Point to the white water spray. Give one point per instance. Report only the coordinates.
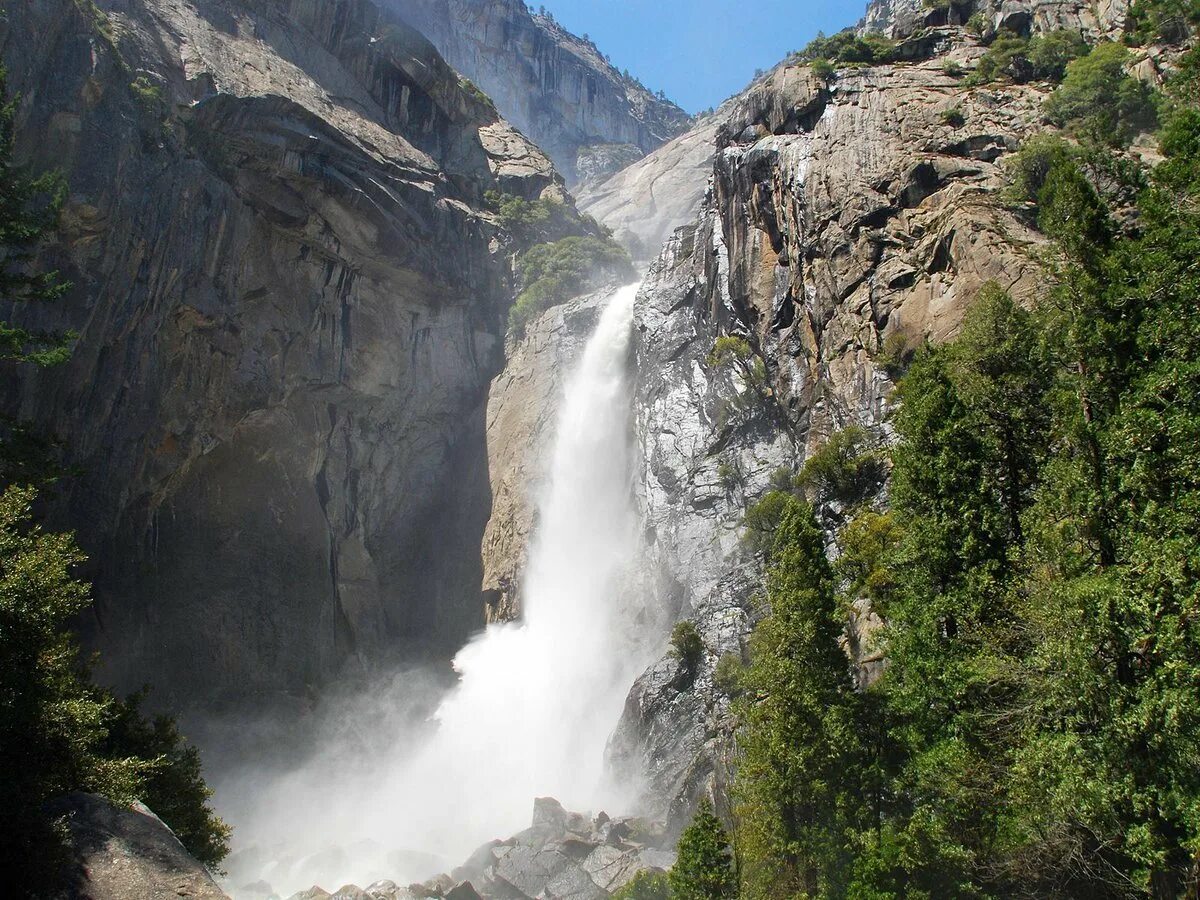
(535, 701)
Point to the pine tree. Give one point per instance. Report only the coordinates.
(797, 786)
(704, 867)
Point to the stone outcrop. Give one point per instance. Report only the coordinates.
(901, 18)
(291, 299)
(557, 88)
(128, 854)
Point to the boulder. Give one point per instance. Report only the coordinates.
(129, 854)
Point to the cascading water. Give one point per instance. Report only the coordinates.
(535, 700)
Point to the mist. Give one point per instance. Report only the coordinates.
(390, 790)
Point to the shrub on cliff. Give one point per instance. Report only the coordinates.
(555, 272)
(1099, 100)
(648, 884)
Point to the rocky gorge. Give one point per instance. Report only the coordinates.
(311, 450)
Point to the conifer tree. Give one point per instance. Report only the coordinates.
(704, 867)
(798, 771)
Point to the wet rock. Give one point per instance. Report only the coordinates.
(565, 854)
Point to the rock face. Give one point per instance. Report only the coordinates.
(129, 854)
(647, 200)
(841, 214)
(291, 301)
(557, 88)
(901, 18)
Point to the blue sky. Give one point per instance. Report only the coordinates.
(700, 51)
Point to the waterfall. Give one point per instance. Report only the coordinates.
(536, 700)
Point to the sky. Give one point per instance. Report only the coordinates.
(700, 51)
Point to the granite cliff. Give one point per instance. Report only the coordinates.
(291, 298)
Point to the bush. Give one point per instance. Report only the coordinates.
(1005, 58)
(953, 117)
(1151, 21)
(1099, 100)
(553, 273)
(1050, 53)
(846, 468)
(848, 47)
(535, 221)
(172, 784)
(822, 68)
(952, 69)
(686, 645)
(728, 675)
(868, 544)
(895, 355)
(762, 518)
(648, 884)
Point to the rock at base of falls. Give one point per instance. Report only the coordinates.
(128, 854)
(562, 854)
(567, 854)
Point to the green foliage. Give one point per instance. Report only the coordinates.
(1044, 56)
(472, 90)
(953, 116)
(731, 352)
(148, 94)
(58, 731)
(800, 720)
(29, 207)
(532, 221)
(1166, 21)
(822, 68)
(977, 24)
(850, 48)
(895, 355)
(952, 69)
(648, 884)
(1005, 58)
(687, 646)
(1099, 100)
(762, 518)
(847, 468)
(728, 675)
(869, 543)
(703, 869)
(171, 784)
(1050, 53)
(553, 273)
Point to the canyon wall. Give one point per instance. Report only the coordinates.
(559, 89)
(291, 299)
